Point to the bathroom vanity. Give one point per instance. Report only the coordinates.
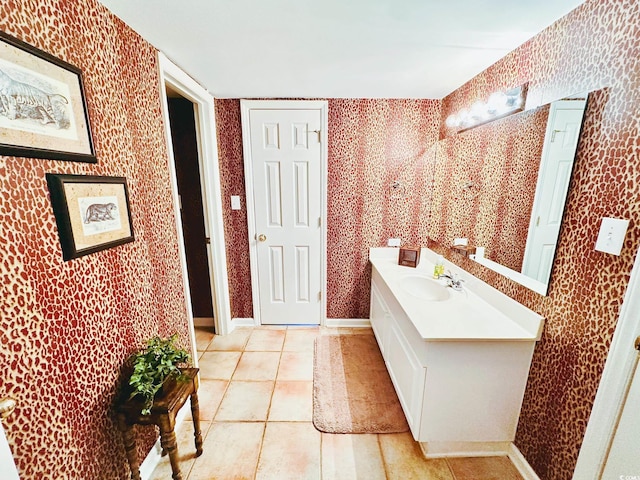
(459, 360)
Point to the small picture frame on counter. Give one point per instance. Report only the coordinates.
(409, 256)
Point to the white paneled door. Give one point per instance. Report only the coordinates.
(286, 165)
(8, 470)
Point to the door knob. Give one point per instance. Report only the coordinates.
(7, 406)
(262, 237)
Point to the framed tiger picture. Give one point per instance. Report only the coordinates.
(92, 212)
(43, 112)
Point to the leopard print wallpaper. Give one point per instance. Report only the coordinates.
(484, 185)
(67, 327)
(372, 145)
(594, 48)
(229, 130)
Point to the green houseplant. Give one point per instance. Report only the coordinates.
(159, 360)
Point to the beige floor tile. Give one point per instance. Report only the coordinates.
(332, 331)
(230, 451)
(246, 401)
(349, 457)
(210, 395)
(266, 340)
(218, 365)
(186, 451)
(257, 366)
(234, 341)
(296, 366)
(300, 339)
(291, 450)
(204, 335)
(483, 468)
(292, 402)
(404, 460)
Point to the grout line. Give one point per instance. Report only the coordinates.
(264, 433)
(453, 475)
(384, 462)
(273, 390)
(321, 444)
(215, 414)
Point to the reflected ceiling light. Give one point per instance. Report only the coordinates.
(499, 105)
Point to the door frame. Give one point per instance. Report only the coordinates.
(172, 75)
(245, 107)
(614, 384)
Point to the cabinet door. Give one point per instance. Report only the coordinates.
(408, 377)
(379, 318)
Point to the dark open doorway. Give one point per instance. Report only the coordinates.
(185, 150)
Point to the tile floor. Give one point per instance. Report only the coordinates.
(256, 420)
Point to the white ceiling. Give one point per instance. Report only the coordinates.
(337, 48)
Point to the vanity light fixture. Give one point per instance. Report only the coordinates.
(499, 105)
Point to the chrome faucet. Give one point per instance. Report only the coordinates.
(453, 281)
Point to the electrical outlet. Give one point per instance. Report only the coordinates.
(393, 242)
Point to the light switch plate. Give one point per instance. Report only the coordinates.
(393, 242)
(611, 236)
(235, 202)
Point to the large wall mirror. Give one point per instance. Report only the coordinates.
(503, 186)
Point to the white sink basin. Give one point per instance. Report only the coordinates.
(424, 288)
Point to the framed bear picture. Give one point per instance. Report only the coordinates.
(43, 112)
(92, 213)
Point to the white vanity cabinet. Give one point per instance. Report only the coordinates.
(461, 396)
(405, 369)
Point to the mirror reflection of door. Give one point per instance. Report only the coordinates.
(561, 141)
(185, 150)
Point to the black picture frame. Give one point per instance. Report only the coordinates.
(92, 212)
(43, 110)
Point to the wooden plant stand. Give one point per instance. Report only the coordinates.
(163, 414)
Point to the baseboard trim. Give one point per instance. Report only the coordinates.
(480, 449)
(203, 322)
(464, 449)
(151, 462)
(155, 455)
(347, 323)
(329, 322)
(242, 322)
(521, 463)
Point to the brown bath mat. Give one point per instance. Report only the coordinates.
(352, 391)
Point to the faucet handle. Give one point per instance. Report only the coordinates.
(449, 275)
(452, 280)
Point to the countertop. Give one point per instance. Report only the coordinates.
(477, 313)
